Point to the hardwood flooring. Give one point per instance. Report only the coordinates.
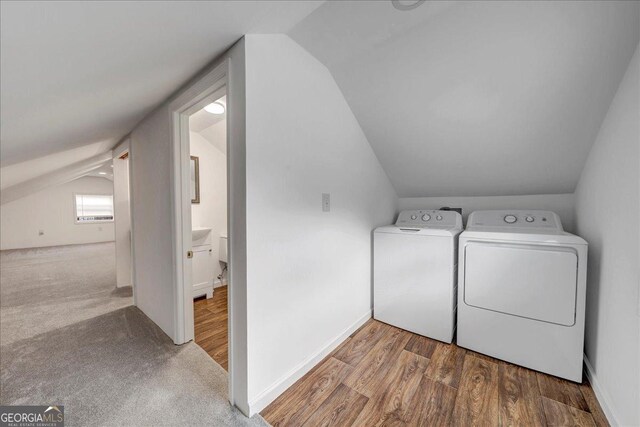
(382, 375)
(211, 326)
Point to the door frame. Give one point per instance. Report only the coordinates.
(124, 150)
(188, 102)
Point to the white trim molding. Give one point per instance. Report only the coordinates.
(271, 393)
(603, 397)
(191, 100)
(215, 82)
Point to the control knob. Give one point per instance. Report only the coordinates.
(510, 219)
(426, 217)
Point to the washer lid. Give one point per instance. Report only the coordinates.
(419, 231)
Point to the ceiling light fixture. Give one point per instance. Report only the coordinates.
(215, 108)
(102, 173)
(406, 5)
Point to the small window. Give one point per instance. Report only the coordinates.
(93, 208)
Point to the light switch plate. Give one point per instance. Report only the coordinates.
(326, 202)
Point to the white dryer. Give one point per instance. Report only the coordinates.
(522, 291)
(414, 272)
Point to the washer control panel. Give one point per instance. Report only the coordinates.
(533, 219)
(429, 218)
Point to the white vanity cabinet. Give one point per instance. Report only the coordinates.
(202, 271)
(202, 263)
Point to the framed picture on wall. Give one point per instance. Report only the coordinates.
(195, 180)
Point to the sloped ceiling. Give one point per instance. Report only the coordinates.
(80, 73)
(456, 98)
(30, 169)
(477, 98)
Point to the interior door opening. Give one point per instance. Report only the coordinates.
(209, 247)
(203, 217)
(119, 169)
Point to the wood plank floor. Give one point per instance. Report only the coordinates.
(211, 325)
(382, 375)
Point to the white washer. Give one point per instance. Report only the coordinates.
(522, 291)
(414, 272)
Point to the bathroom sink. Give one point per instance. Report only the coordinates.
(199, 232)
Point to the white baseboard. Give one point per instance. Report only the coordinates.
(218, 284)
(270, 394)
(603, 397)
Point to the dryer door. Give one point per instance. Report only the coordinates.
(536, 282)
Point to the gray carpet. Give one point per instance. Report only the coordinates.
(43, 289)
(68, 337)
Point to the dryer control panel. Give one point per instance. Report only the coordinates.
(516, 219)
(429, 219)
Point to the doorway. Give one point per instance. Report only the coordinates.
(209, 247)
(122, 210)
(204, 90)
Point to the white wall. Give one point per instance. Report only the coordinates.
(562, 204)
(308, 271)
(52, 211)
(121, 206)
(217, 135)
(151, 216)
(607, 215)
(211, 212)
